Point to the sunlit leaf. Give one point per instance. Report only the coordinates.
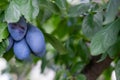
(3, 31)
(3, 46)
(55, 43)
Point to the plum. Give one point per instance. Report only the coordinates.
(35, 40)
(10, 43)
(18, 30)
(21, 50)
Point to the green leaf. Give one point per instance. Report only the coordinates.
(50, 6)
(3, 46)
(3, 4)
(108, 72)
(8, 55)
(61, 27)
(61, 74)
(78, 10)
(105, 38)
(3, 31)
(112, 11)
(83, 51)
(103, 57)
(44, 63)
(92, 24)
(114, 50)
(81, 77)
(117, 70)
(61, 4)
(21, 2)
(28, 8)
(88, 26)
(43, 2)
(51, 24)
(12, 13)
(77, 67)
(1, 16)
(55, 43)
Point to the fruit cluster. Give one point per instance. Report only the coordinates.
(25, 39)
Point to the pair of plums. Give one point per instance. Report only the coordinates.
(25, 38)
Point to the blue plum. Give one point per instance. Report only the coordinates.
(35, 40)
(10, 43)
(18, 30)
(21, 50)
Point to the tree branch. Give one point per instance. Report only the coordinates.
(94, 69)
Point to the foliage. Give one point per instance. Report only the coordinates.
(76, 33)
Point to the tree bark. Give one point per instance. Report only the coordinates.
(94, 69)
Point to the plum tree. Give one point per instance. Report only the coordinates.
(10, 40)
(18, 30)
(35, 40)
(21, 50)
(83, 38)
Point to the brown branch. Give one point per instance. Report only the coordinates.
(94, 69)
